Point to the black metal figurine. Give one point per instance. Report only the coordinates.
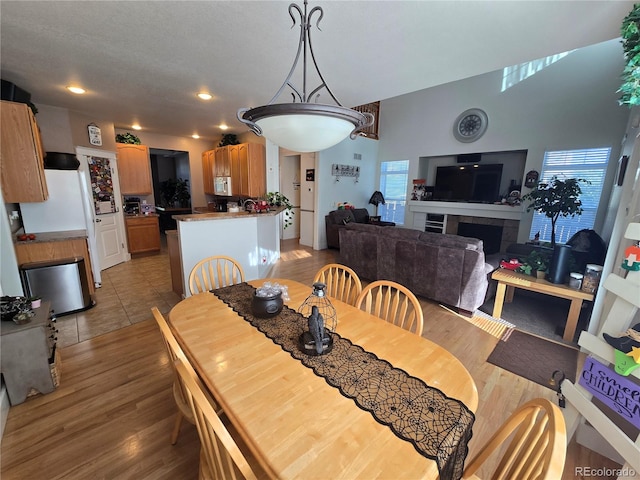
(316, 328)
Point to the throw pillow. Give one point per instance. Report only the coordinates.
(346, 220)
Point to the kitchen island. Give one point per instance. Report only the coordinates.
(253, 239)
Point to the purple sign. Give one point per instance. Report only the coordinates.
(616, 391)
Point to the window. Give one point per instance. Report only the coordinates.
(590, 164)
(394, 176)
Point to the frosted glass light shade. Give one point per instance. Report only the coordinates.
(304, 127)
(305, 133)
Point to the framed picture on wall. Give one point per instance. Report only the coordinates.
(311, 174)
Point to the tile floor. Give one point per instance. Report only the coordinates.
(128, 292)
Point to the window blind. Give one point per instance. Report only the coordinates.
(589, 164)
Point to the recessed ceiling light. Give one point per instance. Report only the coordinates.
(136, 127)
(205, 96)
(223, 126)
(76, 90)
(195, 135)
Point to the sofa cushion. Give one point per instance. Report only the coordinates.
(339, 216)
(361, 215)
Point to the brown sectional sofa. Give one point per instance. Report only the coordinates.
(448, 269)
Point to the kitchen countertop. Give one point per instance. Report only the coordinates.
(43, 237)
(197, 217)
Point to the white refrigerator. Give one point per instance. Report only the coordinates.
(70, 207)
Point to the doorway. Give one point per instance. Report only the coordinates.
(290, 188)
(168, 165)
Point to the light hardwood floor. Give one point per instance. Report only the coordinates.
(112, 415)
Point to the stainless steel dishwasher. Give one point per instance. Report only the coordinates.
(61, 282)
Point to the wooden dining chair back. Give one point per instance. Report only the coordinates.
(214, 272)
(394, 303)
(537, 444)
(175, 352)
(220, 457)
(342, 282)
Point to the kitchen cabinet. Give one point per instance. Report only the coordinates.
(236, 169)
(134, 169)
(244, 163)
(253, 169)
(222, 163)
(208, 173)
(22, 155)
(29, 359)
(143, 233)
(43, 251)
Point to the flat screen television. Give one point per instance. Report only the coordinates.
(468, 183)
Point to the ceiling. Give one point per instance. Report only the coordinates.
(144, 61)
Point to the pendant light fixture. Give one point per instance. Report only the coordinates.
(302, 126)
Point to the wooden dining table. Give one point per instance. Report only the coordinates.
(295, 423)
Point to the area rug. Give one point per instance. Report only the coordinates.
(493, 326)
(534, 358)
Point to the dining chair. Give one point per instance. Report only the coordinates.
(214, 272)
(394, 303)
(537, 449)
(342, 282)
(175, 353)
(220, 456)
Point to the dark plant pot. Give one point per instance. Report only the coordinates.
(267, 307)
(560, 263)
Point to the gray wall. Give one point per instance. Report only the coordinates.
(570, 104)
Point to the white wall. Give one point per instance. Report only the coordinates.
(570, 104)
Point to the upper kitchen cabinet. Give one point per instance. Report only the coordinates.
(134, 169)
(208, 173)
(222, 162)
(251, 161)
(22, 155)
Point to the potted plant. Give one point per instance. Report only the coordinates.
(127, 138)
(228, 139)
(35, 301)
(175, 192)
(277, 199)
(182, 195)
(556, 198)
(538, 260)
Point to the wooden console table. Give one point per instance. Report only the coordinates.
(508, 281)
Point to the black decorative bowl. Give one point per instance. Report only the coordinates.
(266, 307)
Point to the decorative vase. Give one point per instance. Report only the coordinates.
(540, 274)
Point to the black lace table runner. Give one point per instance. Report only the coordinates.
(439, 427)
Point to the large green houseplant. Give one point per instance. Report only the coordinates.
(556, 198)
(630, 33)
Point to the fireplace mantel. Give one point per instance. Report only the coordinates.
(506, 212)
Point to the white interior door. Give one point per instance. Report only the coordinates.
(108, 227)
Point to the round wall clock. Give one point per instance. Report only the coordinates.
(95, 135)
(470, 125)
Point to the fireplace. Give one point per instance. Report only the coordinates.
(491, 235)
(496, 233)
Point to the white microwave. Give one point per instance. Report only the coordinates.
(222, 186)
